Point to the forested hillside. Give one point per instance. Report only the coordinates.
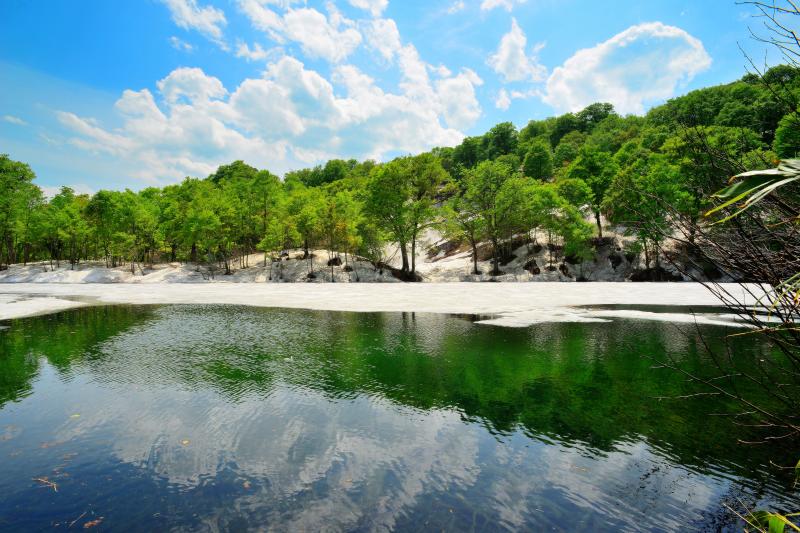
(555, 180)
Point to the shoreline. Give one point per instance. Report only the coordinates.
(507, 304)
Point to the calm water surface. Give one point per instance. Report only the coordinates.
(233, 418)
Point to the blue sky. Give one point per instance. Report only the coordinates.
(97, 94)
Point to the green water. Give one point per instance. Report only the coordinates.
(233, 418)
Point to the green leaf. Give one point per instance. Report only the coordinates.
(756, 185)
(777, 524)
(770, 522)
(746, 185)
(797, 472)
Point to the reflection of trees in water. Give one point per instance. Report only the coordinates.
(566, 381)
(64, 338)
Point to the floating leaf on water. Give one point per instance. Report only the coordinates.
(185, 442)
(9, 432)
(246, 484)
(75, 416)
(93, 523)
(47, 483)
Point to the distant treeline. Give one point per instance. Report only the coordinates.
(543, 181)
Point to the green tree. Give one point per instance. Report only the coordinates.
(596, 169)
(339, 224)
(500, 140)
(641, 198)
(563, 125)
(485, 191)
(16, 191)
(568, 149)
(461, 221)
(787, 136)
(69, 227)
(279, 235)
(305, 206)
(592, 115)
(575, 191)
(400, 196)
(538, 163)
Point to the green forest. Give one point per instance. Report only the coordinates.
(560, 177)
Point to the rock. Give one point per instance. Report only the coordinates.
(655, 274)
(615, 260)
(336, 261)
(711, 271)
(600, 242)
(532, 267)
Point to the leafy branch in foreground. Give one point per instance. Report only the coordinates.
(754, 186)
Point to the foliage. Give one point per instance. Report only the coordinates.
(538, 162)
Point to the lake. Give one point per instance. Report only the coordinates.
(209, 417)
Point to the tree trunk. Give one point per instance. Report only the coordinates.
(413, 255)
(495, 259)
(599, 225)
(474, 256)
(225, 261)
(404, 255)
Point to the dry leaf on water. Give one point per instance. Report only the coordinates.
(93, 523)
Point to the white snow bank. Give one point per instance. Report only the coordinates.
(508, 304)
(15, 306)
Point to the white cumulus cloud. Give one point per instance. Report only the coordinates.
(456, 6)
(290, 117)
(11, 119)
(191, 85)
(642, 65)
(503, 100)
(331, 37)
(375, 7)
(383, 36)
(508, 5)
(180, 44)
(256, 53)
(512, 61)
(457, 94)
(207, 20)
